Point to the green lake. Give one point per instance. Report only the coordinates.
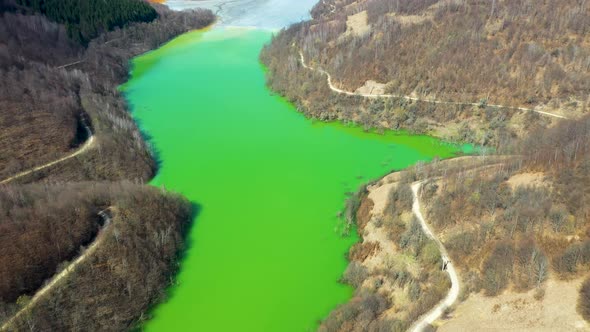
(265, 251)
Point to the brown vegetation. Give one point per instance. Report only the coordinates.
(111, 289)
(584, 300)
(395, 269)
(501, 235)
(504, 236)
(40, 227)
(508, 52)
(363, 212)
(44, 103)
(362, 250)
(52, 88)
(514, 54)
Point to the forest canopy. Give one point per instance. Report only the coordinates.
(86, 19)
(51, 85)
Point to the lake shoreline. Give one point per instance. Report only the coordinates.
(236, 123)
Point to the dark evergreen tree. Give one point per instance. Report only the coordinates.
(86, 19)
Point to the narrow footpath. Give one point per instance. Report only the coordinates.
(436, 312)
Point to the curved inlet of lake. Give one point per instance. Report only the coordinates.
(265, 251)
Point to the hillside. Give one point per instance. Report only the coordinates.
(47, 104)
(111, 289)
(87, 19)
(510, 74)
(522, 226)
(509, 53)
(62, 63)
(515, 228)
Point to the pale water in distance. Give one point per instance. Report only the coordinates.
(266, 14)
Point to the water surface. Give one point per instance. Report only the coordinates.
(265, 250)
(267, 14)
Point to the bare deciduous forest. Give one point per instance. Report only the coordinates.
(45, 103)
(56, 80)
(512, 226)
(113, 288)
(43, 226)
(510, 221)
(394, 292)
(511, 52)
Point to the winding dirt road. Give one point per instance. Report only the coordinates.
(436, 312)
(87, 145)
(58, 277)
(72, 63)
(434, 101)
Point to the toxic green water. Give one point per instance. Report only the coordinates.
(265, 251)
